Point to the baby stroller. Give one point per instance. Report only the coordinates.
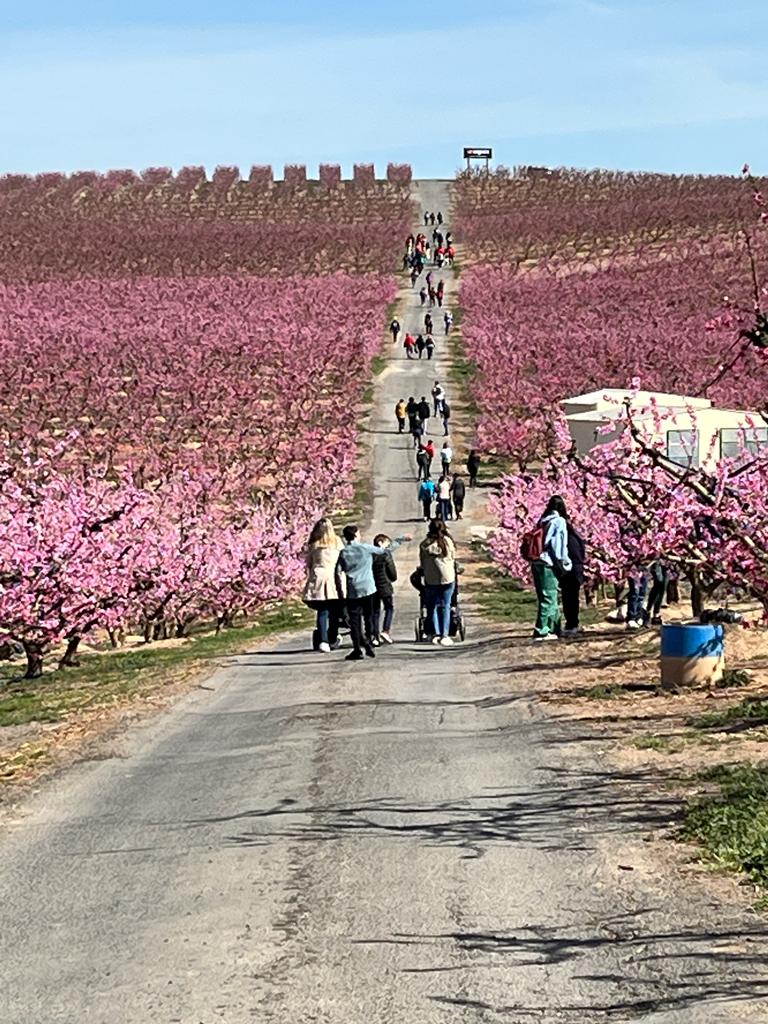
(423, 624)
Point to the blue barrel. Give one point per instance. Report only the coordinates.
(692, 655)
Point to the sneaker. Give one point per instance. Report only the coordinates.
(336, 644)
(325, 648)
(547, 636)
(435, 639)
(370, 651)
(571, 632)
(375, 642)
(657, 621)
(447, 641)
(387, 638)
(634, 624)
(355, 656)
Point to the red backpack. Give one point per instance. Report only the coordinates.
(532, 544)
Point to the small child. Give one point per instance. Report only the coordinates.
(384, 574)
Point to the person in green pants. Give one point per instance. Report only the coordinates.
(551, 563)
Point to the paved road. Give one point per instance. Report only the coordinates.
(404, 841)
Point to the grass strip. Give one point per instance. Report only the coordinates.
(732, 823)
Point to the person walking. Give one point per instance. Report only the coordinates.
(426, 218)
(420, 344)
(409, 344)
(417, 432)
(384, 575)
(422, 463)
(401, 412)
(356, 561)
(658, 574)
(440, 291)
(473, 467)
(414, 275)
(324, 589)
(426, 497)
(394, 328)
(423, 294)
(550, 563)
(446, 457)
(428, 325)
(439, 217)
(458, 493)
(572, 581)
(430, 345)
(412, 409)
(438, 396)
(448, 321)
(429, 448)
(437, 558)
(444, 498)
(424, 410)
(446, 416)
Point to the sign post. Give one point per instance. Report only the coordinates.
(478, 153)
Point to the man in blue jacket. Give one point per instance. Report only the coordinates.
(356, 561)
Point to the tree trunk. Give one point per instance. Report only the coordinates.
(697, 594)
(70, 659)
(34, 653)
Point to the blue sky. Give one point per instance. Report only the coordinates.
(680, 85)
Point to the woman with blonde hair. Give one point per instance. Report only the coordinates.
(324, 590)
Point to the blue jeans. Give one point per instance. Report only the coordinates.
(328, 615)
(439, 606)
(636, 596)
(444, 508)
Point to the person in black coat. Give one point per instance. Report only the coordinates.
(473, 467)
(424, 409)
(384, 575)
(571, 582)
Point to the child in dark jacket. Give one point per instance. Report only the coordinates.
(384, 575)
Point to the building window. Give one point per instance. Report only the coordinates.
(683, 447)
(736, 440)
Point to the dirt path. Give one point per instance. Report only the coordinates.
(401, 841)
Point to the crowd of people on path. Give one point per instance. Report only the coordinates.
(350, 582)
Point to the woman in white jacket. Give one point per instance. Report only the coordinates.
(549, 567)
(324, 590)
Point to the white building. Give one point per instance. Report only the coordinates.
(695, 431)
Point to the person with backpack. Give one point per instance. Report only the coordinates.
(572, 581)
(384, 575)
(423, 295)
(420, 344)
(424, 409)
(426, 497)
(546, 548)
(412, 409)
(394, 328)
(458, 493)
(437, 559)
(417, 432)
(401, 411)
(446, 458)
(428, 325)
(438, 395)
(430, 345)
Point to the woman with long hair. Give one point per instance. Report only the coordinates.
(437, 557)
(324, 590)
(549, 567)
